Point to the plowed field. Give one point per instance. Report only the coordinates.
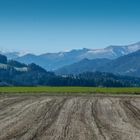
(43, 117)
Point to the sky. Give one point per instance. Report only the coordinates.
(41, 26)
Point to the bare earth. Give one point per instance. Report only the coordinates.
(69, 118)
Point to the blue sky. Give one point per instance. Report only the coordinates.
(40, 26)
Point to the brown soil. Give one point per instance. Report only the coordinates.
(69, 118)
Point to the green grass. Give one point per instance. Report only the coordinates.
(69, 90)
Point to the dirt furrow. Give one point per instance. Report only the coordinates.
(69, 118)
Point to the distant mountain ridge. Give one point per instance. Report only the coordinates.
(12, 54)
(82, 66)
(53, 61)
(124, 65)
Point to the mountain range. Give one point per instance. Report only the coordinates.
(13, 73)
(53, 61)
(124, 65)
(123, 60)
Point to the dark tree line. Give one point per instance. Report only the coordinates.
(39, 77)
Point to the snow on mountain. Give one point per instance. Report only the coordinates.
(52, 61)
(112, 52)
(12, 54)
(134, 47)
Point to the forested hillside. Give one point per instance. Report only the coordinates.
(13, 73)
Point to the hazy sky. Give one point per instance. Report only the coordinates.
(57, 25)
